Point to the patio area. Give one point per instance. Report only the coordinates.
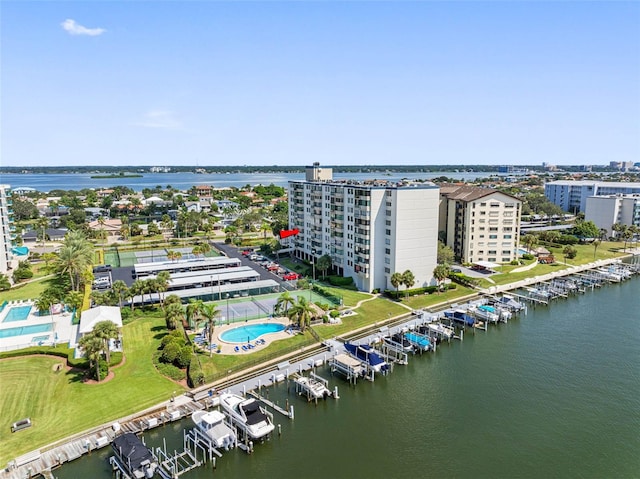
(259, 334)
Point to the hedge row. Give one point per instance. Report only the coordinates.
(416, 291)
(66, 353)
(195, 375)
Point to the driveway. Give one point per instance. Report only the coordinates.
(233, 252)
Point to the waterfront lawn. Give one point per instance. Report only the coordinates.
(429, 300)
(60, 404)
(219, 365)
(369, 312)
(350, 298)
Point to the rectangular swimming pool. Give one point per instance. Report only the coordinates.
(24, 330)
(17, 313)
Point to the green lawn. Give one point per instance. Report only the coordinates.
(428, 300)
(369, 312)
(26, 291)
(220, 364)
(59, 404)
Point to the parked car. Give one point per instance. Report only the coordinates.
(246, 252)
(290, 276)
(272, 267)
(253, 257)
(104, 268)
(456, 270)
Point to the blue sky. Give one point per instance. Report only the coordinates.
(270, 83)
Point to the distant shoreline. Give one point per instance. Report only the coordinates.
(106, 177)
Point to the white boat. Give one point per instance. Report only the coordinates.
(314, 388)
(133, 458)
(212, 425)
(247, 414)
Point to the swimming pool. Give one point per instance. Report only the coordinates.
(24, 330)
(250, 332)
(17, 313)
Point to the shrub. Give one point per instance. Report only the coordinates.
(334, 313)
(527, 256)
(115, 359)
(171, 371)
(195, 376)
(340, 281)
(103, 369)
(514, 262)
(170, 352)
(184, 357)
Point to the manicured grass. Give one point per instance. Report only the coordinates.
(220, 364)
(428, 300)
(349, 297)
(59, 404)
(26, 291)
(369, 312)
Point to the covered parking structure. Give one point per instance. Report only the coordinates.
(143, 270)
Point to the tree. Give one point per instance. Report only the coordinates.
(4, 282)
(92, 350)
(136, 289)
(301, 313)
(174, 255)
(408, 279)
(569, 252)
(323, 264)
(595, 244)
(440, 273)
(445, 254)
(161, 284)
(43, 223)
(74, 300)
(106, 330)
(586, 229)
(75, 257)
(396, 281)
(194, 310)
(121, 290)
(173, 314)
(44, 302)
(209, 313)
(530, 241)
(285, 300)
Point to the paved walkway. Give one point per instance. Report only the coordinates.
(525, 268)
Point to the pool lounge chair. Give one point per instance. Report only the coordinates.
(237, 349)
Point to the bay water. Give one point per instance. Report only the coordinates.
(553, 393)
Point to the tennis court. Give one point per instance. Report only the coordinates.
(119, 258)
(255, 307)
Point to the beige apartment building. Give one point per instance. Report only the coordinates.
(479, 224)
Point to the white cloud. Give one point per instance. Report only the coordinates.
(160, 119)
(73, 28)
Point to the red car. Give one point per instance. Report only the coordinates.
(290, 276)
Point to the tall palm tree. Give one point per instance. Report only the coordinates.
(161, 285)
(137, 289)
(42, 222)
(285, 300)
(194, 309)
(75, 257)
(92, 350)
(595, 244)
(44, 303)
(74, 300)
(530, 241)
(440, 273)
(106, 330)
(396, 281)
(209, 313)
(121, 290)
(301, 313)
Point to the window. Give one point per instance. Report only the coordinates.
(387, 222)
(387, 232)
(387, 251)
(493, 236)
(387, 270)
(507, 236)
(387, 261)
(387, 241)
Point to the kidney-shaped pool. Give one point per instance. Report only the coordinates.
(250, 332)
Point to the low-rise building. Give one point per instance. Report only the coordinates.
(605, 211)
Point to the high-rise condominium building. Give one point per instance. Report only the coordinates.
(480, 224)
(369, 230)
(7, 229)
(571, 195)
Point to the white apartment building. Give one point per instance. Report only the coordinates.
(605, 211)
(370, 230)
(571, 195)
(6, 229)
(480, 224)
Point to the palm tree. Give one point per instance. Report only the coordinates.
(137, 289)
(174, 255)
(173, 314)
(161, 285)
(92, 350)
(408, 279)
(440, 273)
(44, 303)
(205, 248)
(74, 299)
(75, 257)
(106, 330)
(301, 313)
(42, 222)
(121, 290)
(529, 241)
(194, 309)
(285, 300)
(265, 228)
(209, 313)
(396, 281)
(196, 251)
(595, 244)
(101, 222)
(323, 264)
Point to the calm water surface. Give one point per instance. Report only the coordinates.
(555, 393)
(47, 182)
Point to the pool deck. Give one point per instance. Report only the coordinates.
(65, 331)
(229, 348)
